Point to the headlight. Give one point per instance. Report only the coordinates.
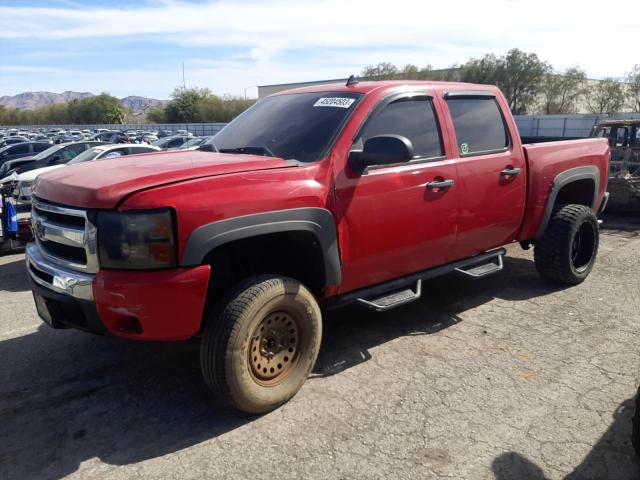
(25, 189)
(137, 240)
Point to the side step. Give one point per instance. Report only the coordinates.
(483, 269)
(393, 300)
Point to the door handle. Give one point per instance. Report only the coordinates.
(440, 184)
(510, 171)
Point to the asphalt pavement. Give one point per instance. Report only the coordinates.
(505, 378)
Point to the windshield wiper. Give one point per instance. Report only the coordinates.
(264, 151)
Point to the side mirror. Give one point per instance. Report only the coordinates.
(207, 147)
(382, 150)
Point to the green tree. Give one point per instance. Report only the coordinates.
(381, 71)
(633, 82)
(518, 74)
(185, 105)
(606, 96)
(562, 91)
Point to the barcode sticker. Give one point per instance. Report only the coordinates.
(339, 102)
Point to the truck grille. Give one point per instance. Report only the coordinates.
(65, 236)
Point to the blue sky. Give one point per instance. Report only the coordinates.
(137, 48)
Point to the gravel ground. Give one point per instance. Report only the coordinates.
(503, 378)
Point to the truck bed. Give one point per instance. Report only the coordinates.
(545, 160)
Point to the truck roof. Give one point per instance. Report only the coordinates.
(369, 86)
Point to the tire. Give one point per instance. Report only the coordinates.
(568, 247)
(260, 344)
(635, 432)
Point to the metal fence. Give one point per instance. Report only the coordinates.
(563, 125)
(528, 125)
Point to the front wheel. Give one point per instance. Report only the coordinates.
(259, 347)
(566, 251)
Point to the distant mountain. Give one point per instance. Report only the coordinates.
(35, 100)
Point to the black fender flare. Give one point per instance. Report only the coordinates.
(588, 172)
(318, 221)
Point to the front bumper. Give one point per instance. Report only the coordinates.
(143, 305)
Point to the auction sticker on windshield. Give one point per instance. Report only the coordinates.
(339, 102)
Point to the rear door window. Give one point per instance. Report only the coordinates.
(479, 125)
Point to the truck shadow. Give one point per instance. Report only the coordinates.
(611, 457)
(13, 276)
(67, 397)
(349, 333)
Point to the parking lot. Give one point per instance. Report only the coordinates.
(505, 378)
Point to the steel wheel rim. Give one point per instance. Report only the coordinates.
(583, 247)
(274, 348)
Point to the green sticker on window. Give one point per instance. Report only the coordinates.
(464, 148)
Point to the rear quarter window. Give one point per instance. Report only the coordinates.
(479, 125)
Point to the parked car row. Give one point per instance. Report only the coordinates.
(59, 135)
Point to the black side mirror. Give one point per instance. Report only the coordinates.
(207, 147)
(382, 150)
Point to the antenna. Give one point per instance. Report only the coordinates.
(184, 84)
(352, 80)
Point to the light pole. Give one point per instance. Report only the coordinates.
(246, 88)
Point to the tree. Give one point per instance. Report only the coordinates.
(184, 106)
(518, 74)
(562, 91)
(381, 71)
(606, 96)
(633, 81)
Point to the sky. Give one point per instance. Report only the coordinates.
(138, 47)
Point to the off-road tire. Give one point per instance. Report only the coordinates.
(557, 258)
(262, 315)
(635, 431)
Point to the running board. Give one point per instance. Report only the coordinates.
(483, 269)
(401, 287)
(394, 299)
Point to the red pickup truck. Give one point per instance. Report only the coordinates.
(311, 199)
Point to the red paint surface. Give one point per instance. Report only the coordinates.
(168, 304)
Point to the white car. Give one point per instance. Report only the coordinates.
(22, 190)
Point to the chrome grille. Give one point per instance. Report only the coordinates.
(65, 236)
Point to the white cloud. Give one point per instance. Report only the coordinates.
(289, 40)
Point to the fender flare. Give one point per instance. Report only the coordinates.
(318, 221)
(588, 172)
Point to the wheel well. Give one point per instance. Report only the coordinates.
(295, 254)
(579, 192)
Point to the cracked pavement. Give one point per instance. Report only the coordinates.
(505, 378)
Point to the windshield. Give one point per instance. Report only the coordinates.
(298, 126)
(86, 155)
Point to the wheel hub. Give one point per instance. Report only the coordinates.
(274, 347)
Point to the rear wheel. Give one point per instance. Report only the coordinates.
(567, 249)
(260, 345)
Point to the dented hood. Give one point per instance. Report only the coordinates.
(104, 183)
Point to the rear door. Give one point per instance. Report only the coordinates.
(391, 223)
(491, 171)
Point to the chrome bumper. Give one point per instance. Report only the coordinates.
(75, 284)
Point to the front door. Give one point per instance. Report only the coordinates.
(391, 222)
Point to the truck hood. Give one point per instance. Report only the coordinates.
(103, 183)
